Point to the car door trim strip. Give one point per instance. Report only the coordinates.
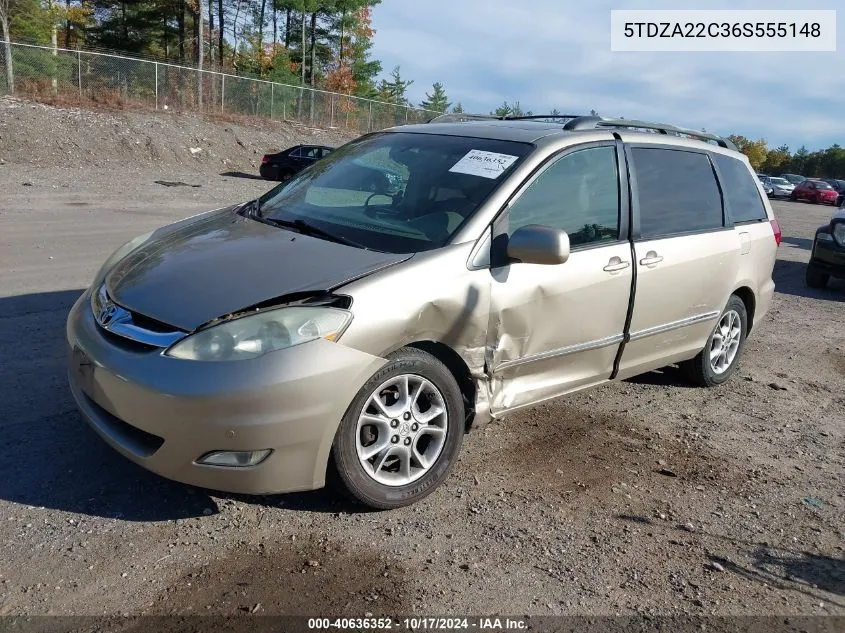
(674, 325)
(562, 351)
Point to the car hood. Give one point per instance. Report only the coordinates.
(194, 271)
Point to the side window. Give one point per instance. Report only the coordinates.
(739, 189)
(310, 152)
(296, 153)
(677, 192)
(578, 193)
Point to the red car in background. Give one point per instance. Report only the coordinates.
(816, 191)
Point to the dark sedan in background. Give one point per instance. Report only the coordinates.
(288, 162)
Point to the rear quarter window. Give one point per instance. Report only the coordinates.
(677, 192)
(739, 189)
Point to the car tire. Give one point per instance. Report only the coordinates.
(394, 476)
(815, 278)
(703, 370)
(793, 197)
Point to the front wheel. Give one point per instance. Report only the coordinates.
(720, 356)
(402, 433)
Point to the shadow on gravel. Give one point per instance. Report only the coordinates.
(49, 457)
(670, 376)
(778, 567)
(241, 174)
(789, 280)
(795, 571)
(325, 500)
(798, 242)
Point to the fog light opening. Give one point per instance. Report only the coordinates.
(234, 459)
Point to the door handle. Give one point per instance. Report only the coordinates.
(651, 259)
(615, 265)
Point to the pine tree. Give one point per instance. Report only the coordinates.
(395, 89)
(459, 108)
(437, 101)
(503, 110)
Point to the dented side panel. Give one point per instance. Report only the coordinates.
(433, 297)
(554, 329)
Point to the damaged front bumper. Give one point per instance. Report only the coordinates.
(165, 413)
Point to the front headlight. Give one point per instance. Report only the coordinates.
(839, 233)
(255, 335)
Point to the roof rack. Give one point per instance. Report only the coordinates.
(663, 128)
(461, 117)
(582, 122)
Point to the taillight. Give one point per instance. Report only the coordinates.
(265, 159)
(776, 229)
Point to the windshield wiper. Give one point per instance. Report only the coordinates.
(309, 229)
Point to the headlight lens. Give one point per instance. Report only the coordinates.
(839, 232)
(258, 334)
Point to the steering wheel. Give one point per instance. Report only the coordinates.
(372, 212)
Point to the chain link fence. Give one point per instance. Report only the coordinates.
(80, 77)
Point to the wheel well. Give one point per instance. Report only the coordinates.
(747, 295)
(458, 368)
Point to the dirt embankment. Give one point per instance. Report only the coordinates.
(54, 138)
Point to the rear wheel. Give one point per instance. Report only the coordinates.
(402, 433)
(718, 360)
(815, 278)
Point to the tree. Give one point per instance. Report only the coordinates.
(756, 151)
(5, 7)
(459, 108)
(503, 110)
(394, 90)
(437, 101)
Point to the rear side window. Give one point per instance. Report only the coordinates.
(740, 190)
(677, 192)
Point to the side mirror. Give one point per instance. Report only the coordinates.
(536, 244)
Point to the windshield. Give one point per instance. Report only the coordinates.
(398, 192)
(779, 181)
(822, 185)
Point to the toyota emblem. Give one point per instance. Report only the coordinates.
(107, 313)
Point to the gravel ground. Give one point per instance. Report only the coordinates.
(644, 496)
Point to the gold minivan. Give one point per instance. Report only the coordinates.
(354, 322)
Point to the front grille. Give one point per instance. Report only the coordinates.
(133, 439)
(118, 321)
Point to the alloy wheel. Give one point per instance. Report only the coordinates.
(401, 430)
(725, 342)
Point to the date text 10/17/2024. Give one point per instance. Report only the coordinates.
(493, 624)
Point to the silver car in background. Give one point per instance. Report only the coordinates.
(779, 187)
(328, 331)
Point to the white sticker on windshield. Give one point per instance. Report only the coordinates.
(484, 164)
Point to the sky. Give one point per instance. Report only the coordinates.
(556, 54)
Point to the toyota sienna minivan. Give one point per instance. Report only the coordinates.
(354, 322)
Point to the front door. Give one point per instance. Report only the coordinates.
(557, 328)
